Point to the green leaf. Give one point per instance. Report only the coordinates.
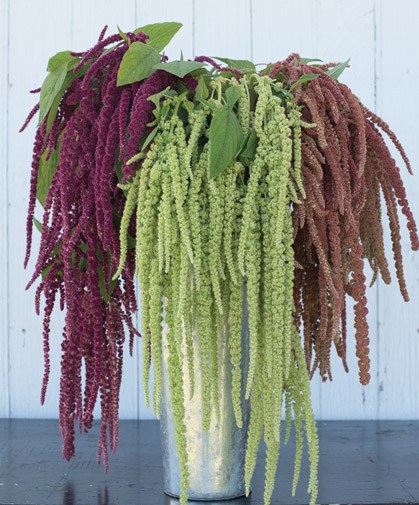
(336, 71)
(305, 61)
(181, 87)
(57, 248)
(201, 91)
(54, 108)
(131, 242)
(46, 271)
(111, 286)
(179, 68)
(211, 105)
(56, 82)
(249, 150)
(53, 89)
(38, 224)
(225, 137)
(60, 59)
(118, 167)
(243, 66)
(83, 265)
(267, 69)
(137, 63)
(304, 78)
(105, 295)
(150, 137)
(46, 171)
(162, 106)
(286, 95)
(55, 252)
(188, 105)
(50, 88)
(245, 161)
(160, 33)
(124, 35)
(233, 93)
(199, 72)
(165, 109)
(157, 96)
(243, 144)
(70, 77)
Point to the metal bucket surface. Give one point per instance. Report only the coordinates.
(216, 457)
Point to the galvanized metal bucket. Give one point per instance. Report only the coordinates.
(217, 456)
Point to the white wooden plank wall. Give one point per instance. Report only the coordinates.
(4, 213)
(398, 322)
(384, 74)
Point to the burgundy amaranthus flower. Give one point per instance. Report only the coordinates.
(80, 234)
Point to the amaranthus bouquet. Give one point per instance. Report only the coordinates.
(199, 178)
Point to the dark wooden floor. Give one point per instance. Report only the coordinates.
(360, 462)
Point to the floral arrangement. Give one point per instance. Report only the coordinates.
(210, 182)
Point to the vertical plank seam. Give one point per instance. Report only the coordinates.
(7, 212)
(377, 289)
(193, 29)
(135, 13)
(72, 23)
(251, 28)
(317, 7)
